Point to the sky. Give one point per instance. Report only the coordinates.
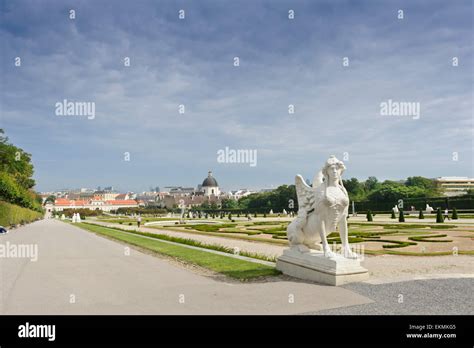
(138, 138)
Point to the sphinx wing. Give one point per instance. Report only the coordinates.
(305, 193)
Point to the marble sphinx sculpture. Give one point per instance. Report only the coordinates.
(323, 208)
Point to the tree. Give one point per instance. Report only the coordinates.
(401, 217)
(16, 162)
(421, 216)
(391, 192)
(371, 183)
(455, 214)
(355, 189)
(205, 205)
(277, 199)
(50, 199)
(229, 203)
(439, 216)
(16, 173)
(369, 216)
(429, 185)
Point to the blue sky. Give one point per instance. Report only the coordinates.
(282, 62)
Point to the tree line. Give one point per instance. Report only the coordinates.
(371, 190)
(16, 176)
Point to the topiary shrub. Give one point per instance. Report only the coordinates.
(401, 217)
(369, 216)
(421, 216)
(455, 214)
(439, 216)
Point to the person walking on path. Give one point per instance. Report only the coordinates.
(139, 220)
(446, 214)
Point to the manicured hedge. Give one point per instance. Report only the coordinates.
(460, 202)
(11, 214)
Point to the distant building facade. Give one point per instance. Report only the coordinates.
(455, 185)
(208, 193)
(61, 204)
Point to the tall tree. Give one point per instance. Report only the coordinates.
(371, 183)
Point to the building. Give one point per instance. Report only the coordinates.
(171, 202)
(206, 193)
(180, 191)
(105, 195)
(455, 185)
(93, 204)
(209, 186)
(240, 194)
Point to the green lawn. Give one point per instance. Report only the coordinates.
(274, 232)
(229, 266)
(126, 220)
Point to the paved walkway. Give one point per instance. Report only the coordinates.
(78, 272)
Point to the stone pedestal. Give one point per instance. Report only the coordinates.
(315, 267)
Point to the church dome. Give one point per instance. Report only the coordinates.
(209, 181)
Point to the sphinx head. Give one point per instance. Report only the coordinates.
(333, 169)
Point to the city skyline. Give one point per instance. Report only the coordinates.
(282, 62)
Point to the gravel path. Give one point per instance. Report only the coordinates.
(419, 297)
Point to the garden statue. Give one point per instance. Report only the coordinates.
(322, 209)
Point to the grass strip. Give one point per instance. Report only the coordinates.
(192, 242)
(226, 265)
(395, 243)
(229, 235)
(426, 238)
(415, 253)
